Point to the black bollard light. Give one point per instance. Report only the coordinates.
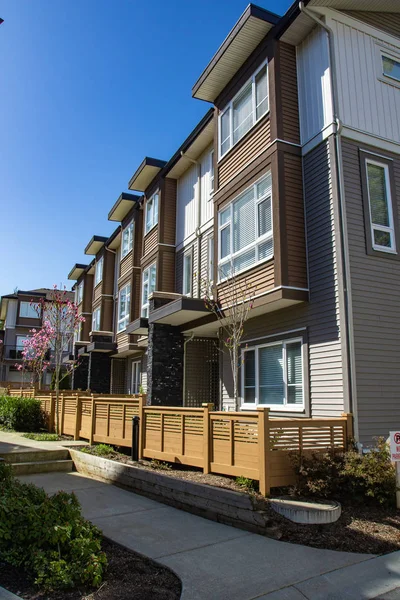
(135, 438)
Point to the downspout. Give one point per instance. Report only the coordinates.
(189, 339)
(198, 224)
(349, 332)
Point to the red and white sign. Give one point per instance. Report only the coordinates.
(395, 446)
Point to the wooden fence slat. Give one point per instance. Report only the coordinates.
(207, 407)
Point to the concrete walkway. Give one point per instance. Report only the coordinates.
(14, 442)
(217, 562)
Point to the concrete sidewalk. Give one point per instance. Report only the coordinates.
(14, 442)
(218, 562)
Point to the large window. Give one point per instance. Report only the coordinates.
(148, 287)
(79, 293)
(380, 206)
(151, 213)
(124, 307)
(246, 108)
(96, 319)
(245, 230)
(29, 310)
(272, 375)
(187, 273)
(99, 271)
(127, 240)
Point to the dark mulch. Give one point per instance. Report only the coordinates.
(129, 577)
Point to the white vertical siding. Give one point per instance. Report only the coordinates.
(186, 214)
(365, 102)
(206, 200)
(11, 316)
(313, 74)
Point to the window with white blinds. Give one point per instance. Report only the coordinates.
(151, 219)
(127, 240)
(245, 230)
(148, 287)
(272, 375)
(380, 206)
(124, 307)
(246, 108)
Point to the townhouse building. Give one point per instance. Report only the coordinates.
(290, 183)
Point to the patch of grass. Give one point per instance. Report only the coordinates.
(248, 485)
(42, 437)
(160, 465)
(103, 450)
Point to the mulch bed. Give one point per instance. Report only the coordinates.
(129, 576)
(361, 528)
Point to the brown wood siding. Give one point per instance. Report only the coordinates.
(125, 266)
(122, 339)
(108, 272)
(166, 266)
(97, 292)
(87, 293)
(375, 291)
(254, 142)
(289, 97)
(107, 312)
(135, 295)
(168, 212)
(256, 281)
(389, 22)
(294, 238)
(150, 241)
(86, 328)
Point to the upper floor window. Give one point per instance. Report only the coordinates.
(79, 293)
(99, 271)
(246, 108)
(96, 319)
(272, 375)
(29, 310)
(391, 67)
(124, 307)
(245, 230)
(187, 273)
(127, 240)
(148, 287)
(151, 213)
(380, 206)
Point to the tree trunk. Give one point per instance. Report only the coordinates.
(57, 388)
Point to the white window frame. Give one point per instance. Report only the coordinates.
(395, 58)
(129, 233)
(79, 293)
(97, 311)
(187, 286)
(229, 107)
(275, 407)
(150, 208)
(145, 305)
(136, 376)
(377, 227)
(258, 239)
(98, 276)
(123, 320)
(31, 306)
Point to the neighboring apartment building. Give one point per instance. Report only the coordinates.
(291, 182)
(21, 312)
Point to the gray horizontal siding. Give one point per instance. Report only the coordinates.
(375, 288)
(321, 315)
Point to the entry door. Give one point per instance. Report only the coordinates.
(136, 370)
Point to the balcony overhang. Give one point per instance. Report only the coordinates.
(145, 174)
(83, 351)
(76, 271)
(127, 350)
(251, 28)
(179, 312)
(123, 205)
(95, 244)
(105, 347)
(138, 327)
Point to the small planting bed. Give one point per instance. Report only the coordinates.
(361, 528)
(129, 576)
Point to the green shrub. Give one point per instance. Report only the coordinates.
(98, 450)
(249, 485)
(48, 537)
(350, 477)
(21, 414)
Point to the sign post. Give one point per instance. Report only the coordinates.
(395, 457)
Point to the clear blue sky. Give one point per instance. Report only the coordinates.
(88, 88)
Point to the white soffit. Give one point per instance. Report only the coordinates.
(195, 150)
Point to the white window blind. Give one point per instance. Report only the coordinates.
(148, 287)
(380, 205)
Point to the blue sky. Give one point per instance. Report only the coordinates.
(88, 88)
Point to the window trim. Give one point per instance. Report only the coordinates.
(285, 408)
(30, 304)
(188, 254)
(126, 318)
(258, 239)
(387, 164)
(150, 202)
(127, 228)
(147, 304)
(97, 309)
(229, 106)
(100, 260)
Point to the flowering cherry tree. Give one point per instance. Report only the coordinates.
(36, 353)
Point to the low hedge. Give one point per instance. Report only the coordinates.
(21, 414)
(47, 536)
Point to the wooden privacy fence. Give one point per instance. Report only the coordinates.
(247, 444)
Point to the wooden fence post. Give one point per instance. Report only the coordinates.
(142, 425)
(62, 414)
(207, 407)
(78, 412)
(52, 412)
(349, 433)
(264, 450)
(92, 420)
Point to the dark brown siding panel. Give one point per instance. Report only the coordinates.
(289, 98)
(389, 22)
(106, 316)
(256, 281)
(294, 239)
(375, 290)
(150, 241)
(167, 271)
(108, 272)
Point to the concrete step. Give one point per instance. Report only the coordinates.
(48, 466)
(33, 455)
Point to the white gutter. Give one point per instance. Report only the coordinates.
(349, 330)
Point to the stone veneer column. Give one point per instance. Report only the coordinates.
(99, 373)
(165, 365)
